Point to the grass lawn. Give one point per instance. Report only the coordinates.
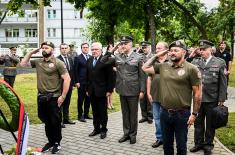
(226, 135)
(26, 88)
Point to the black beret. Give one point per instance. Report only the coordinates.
(126, 39)
(48, 43)
(205, 44)
(178, 43)
(145, 43)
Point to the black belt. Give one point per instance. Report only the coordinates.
(177, 110)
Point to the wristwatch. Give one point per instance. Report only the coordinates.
(195, 114)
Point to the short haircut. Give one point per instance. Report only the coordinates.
(62, 44)
(98, 44)
(84, 44)
(165, 44)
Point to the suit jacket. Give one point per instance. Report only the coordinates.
(80, 69)
(214, 81)
(100, 78)
(71, 71)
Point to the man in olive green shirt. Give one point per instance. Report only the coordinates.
(50, 73)
(178, 81)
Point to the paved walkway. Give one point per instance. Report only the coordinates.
(76, 141)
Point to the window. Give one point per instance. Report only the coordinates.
(31, 33)
(76, 32)
(54, 32)
(51, 32)
(12, 33)
(51, 14)
(75, 14)
(81, 32)
(48, 32)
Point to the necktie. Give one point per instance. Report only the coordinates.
(94, 62)
(67, 62)
(87, 57)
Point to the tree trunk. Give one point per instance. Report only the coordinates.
(152, 27)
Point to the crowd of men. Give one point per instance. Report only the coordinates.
(164, 82)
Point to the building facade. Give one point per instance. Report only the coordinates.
(18, 31)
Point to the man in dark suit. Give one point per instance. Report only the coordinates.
(80, 68)
(100, 86)
(69, 65)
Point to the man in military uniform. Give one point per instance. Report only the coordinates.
(178, 81)
(10, 60)
(51, 72)
(130, 85)
(213, 93)
(146, 107)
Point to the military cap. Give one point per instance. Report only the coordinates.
(48, 43)
(126, 39)
(178, 43)
(145, 43)
(205, 44)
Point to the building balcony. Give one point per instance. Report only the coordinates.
(17, 20)
(18, 40)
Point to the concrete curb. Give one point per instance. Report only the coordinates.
(222, 145)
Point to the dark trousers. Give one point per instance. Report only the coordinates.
(10, 80)
(50, 114)
(65, 105)
(146, 108)
(129, 106)
(204, 135)
(174, 124)
(82, 97)
(100, 114)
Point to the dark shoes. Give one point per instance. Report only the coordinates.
(103, 135)
(56, 148)
(62, 125)
(150, 121)
(123, 139)
(157, 144)
(207, 150)
(143, 120)
(94, 133)
(87, 117)
(196, 148)
(47, 147)
(132, 140)
(68, 122)
(82, 119)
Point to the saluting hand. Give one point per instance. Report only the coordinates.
(36, 50)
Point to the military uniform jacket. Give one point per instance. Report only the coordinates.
(10, 62)
(130, 78)
(214, 83)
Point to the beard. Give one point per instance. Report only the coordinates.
(45, 54)
(175, 59)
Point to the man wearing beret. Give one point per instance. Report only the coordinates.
(178, 81)
(51, 72)
(213, 94)
(10, 61)
(130, 85)
(145, 106)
